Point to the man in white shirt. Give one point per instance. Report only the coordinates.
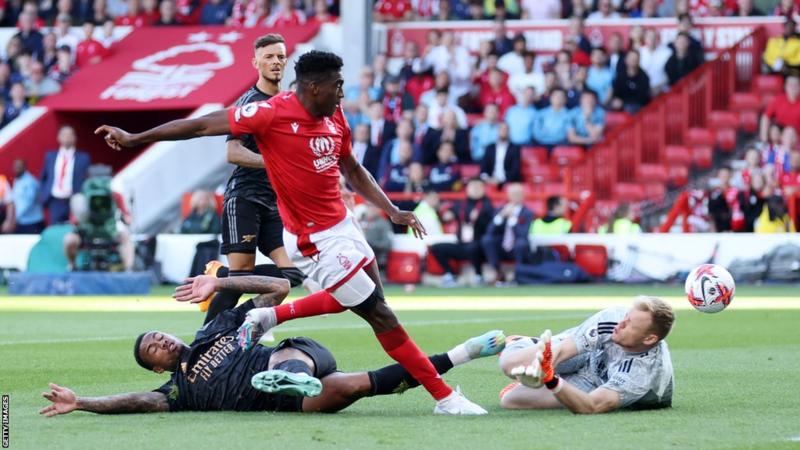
(653, 60)
(63, 174)
(512, 62)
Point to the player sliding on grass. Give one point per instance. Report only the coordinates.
(213, 373)
(305, 142)
(615, 359)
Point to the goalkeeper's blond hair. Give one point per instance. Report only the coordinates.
(660, 311)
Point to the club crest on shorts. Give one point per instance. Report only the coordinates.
(344, 262)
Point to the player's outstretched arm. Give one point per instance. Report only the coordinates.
(64, 401)
(241, 156)
(598, 401)
(364, 184)
(212, 124)
(197, 289)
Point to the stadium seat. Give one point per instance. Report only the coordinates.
(723, 119)
(702, 157)
(403, 267)
(652, 173)
(615, 119)
(678, 155)
(433, 267)
(655, 191)
(539, 173)
(726, 139)
(764, 84)
(534, 154)
(745, 101)
(592, 258)
(562, 250)
(629, 192)
(678, 176)
(554, 188)
(700, 136)
(565, 155)
(748, 121)
(537, 206)
(470, 171)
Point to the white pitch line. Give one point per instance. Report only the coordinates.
(292, 329)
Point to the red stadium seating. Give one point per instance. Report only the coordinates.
(562, 250)
(700, 136)
(550, 189)
(592, 258)
(538, 173)
(726, 139)
(629, 192)
(768, 84)
(723, 119)
(703, 157)
(678, 155)
(678, 176)
(652, 173)
(565, 155)
(745, 101)
(403, 267)
(615, 119)
(748, 121)
(655, 191)
(470, 171)
(535, 154)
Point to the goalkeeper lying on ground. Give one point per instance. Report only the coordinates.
(616, 359)
(213, 373)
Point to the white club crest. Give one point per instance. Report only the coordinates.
(321, 146)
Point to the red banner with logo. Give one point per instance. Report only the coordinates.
(546, 37)
(170, 68)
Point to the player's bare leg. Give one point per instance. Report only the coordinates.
(523, 397)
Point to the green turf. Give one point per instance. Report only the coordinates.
(736, 386)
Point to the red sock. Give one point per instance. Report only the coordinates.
(316, 304)
(402, 349)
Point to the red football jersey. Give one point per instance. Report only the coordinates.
(302, 155)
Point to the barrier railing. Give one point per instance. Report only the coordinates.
(667, 119)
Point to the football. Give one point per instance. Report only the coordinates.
(710, 288)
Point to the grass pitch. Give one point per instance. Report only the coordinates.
(736, 375)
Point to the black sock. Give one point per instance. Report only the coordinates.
(294, 366)
(225, 299)
(394, 379)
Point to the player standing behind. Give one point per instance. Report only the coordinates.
(250, 218)
(305, 141)
(615, 359)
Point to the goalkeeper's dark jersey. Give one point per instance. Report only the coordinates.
(252, 184)
(214, 374)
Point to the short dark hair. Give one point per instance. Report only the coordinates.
(136, 354)
(552, 202)
(685, 16)
(268, 39)
(316, 63)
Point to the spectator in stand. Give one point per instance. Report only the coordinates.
(564, 69)
(484, 132)
(215, 12)
(622, 222)
(605, 10)
(366, 154)
(5, 79)
(753, 164)
(63, 174)
(784, 109)
(632, 86)
(502, 162)
(647, 9)
(203, 217)
(365, 85)
(787, 8)
(37, 85)
(520, 119)
(321, 14)
(396, 102)
(29, 36)
(440, 106)
(132, 18)
(381, 130)
(790, 179)
(449, 131)
(396, 177)
(484, 66)
(29, 214)
(249, 13)
(502, 44)
(167, 14)
(501, 9)
(445, 176)
(653, 59)
(616, 54)
(420, 125)
(411, 63)
(16, 103)
(13, 50)
(378, 232)
(777, 157)
(380, 70)
(723, 204)
(7, 214)
(453, 58)
(512, 62)
(101, 12)
(63, 67)
(150, 12)
(475, 10)
(636, 38)
(554, 222)
(286, 14)
(390, 153)
(747, 9)
(587, 121)
(64, 35)
(48, 58)
(507, 235)
(427, 211)
(496, 93)
(417, 181)
(577, 87)
(782, 54)
(686, 25)
(551, 123)
(22, 69)
(577, 35)
(683, 61)
(393, 11)
(532, 77)
(541, 9)
(773, 218)
(89, 51)
(472, 216)
(599, 77)
(445, 11)
(751, 200)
